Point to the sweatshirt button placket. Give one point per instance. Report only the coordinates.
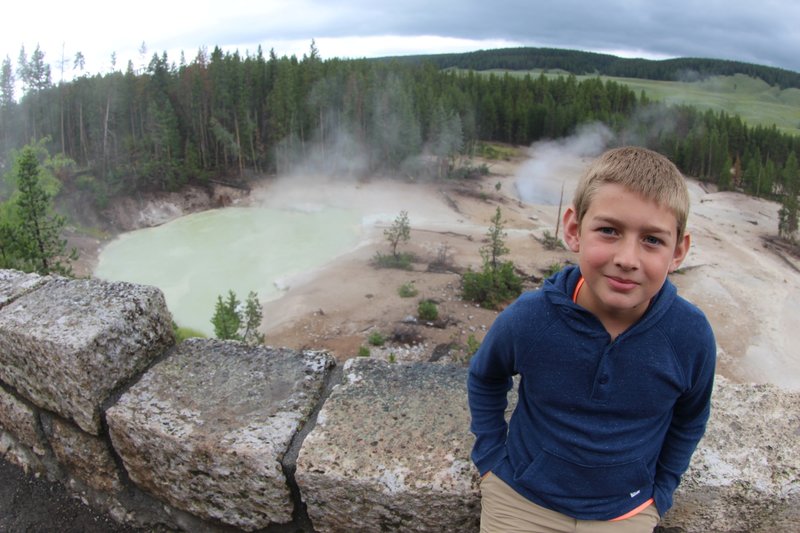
(601, 388)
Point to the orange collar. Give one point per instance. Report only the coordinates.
(577, 290)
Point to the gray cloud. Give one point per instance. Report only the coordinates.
(761, 32)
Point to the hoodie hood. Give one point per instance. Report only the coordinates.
(559, 289)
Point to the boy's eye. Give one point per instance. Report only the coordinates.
(652, 240)
(607, 231)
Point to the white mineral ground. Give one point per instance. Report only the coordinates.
(749, 291)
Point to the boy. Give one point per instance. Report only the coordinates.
(616, 369)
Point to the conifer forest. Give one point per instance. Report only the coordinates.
(233, 116)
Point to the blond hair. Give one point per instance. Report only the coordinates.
(641, 171)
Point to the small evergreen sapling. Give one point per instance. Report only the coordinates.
(400, 231)
(234, 322)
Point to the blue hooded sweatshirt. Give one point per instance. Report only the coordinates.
(599, 426)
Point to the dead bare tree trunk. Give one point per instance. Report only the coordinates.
(558, 216)
(239, 146)
(105, 132)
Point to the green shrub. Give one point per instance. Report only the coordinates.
(466, 351)
(495, 151)
(400, 231)
(469, 171)
(497, 283)
(182, 333)
(491, 288)
(472, 345)
(428, 311)
(407, 290)
(363, 351)
(553, 269)
(550, 241)
(376, 338)
(400, 261)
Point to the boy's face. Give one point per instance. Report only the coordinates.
(626, 246)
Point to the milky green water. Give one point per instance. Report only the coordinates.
(198, 257)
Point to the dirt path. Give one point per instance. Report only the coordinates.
(29, 504)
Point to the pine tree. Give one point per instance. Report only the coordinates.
(23, 68)
(788, 217)
(7, 105)
(497, 282)
(39, 232)
(752, 176)
(79, 63)
(232, 322)
(725, 182)
(7, 82)
(226, 319)
(396, 132)
(253, 315)
(788, 213)
(445, 139)
(791, 174)
(770, 173)
(496, 247)
(9, 251)
(39, 77)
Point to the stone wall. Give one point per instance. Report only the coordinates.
(220, 436)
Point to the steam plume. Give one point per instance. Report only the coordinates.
(554, 163)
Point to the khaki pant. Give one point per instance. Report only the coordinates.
(503, 510)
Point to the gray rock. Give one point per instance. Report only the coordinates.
(14, 284)
(68, 344)
(21, 420)
(206, 428)
(390, 452)
(85, 456)
(745, 474)
(13, 451)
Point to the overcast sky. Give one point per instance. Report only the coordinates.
(764, 32)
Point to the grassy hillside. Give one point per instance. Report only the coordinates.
(759, 94)
(751, 98)
(590, 63)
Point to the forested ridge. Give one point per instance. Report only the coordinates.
(578, 62)
(236, 116)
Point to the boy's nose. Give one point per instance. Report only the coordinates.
(625, 256)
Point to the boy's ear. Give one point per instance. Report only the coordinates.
(572, 230)
(681, 250)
